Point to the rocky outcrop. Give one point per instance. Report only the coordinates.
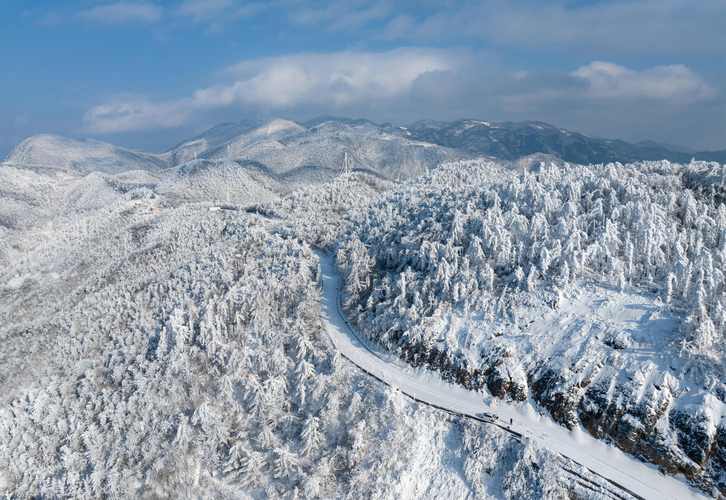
(551, 390)
(639, 418)
(694, 436)
(717, 465)
(505, 377)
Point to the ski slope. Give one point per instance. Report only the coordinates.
(627, 472)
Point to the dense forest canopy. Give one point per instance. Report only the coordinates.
(598, 291)
(158, 350)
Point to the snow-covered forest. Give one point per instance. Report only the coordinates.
(154, 348)
(596, 291)
(162, 330)
(364, 249)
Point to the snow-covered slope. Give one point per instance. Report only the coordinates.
(255, 142)
(513, 140)
(283, 145)
(192, 149)
(323, 143)
(83, 156)
(161, 329)
(152, 350)
(596, 292)
(368, 146)
(29, 195)
(627, 473)
(256, 162)
(220, 181)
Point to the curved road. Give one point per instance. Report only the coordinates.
(627, 473)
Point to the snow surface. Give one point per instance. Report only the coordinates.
(279, 125)
(52, 151)
(573, 336)
(283, 146)
(640, 478)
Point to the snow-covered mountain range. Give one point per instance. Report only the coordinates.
(281, 146)
(231, 318)
(323, 143)
(512, 140)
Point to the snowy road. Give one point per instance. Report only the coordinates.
(607, 461)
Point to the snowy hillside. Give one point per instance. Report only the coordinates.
(46, 213)
(310, 153)
(284, 146)
(85, 156)
(323, 144)
(513, 140)
(167, 329)
(30, 195)
(596, 292)
(219, 181)
(159, 349)
(193, 148)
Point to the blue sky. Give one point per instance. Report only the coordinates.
(148, 73)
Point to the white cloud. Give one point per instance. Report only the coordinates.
(623, 26)
(125, 114)
(409, 84)
(325, 81)
(339, 78)
(123, 12)
(674, 83)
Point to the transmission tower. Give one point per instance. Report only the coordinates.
(347, 164)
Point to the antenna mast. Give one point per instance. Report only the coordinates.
(346, 164)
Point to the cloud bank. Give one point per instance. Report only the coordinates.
(327, 81)
(412, 83)
(607, 68)
(610, 27)
(613, 27)
(675, 82)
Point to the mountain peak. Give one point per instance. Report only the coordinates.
(321, 120)
(84, 155)
(278, 125)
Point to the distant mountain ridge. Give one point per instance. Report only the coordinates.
(82, 156)
(393, 151)
(513, 140)
(316, 146)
